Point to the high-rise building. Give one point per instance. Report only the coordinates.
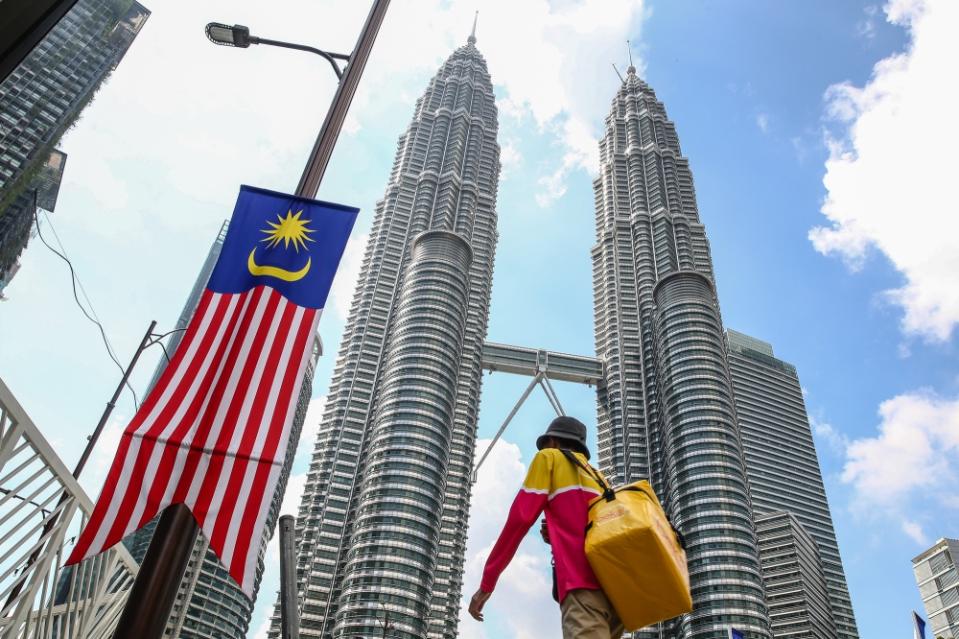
(209, 604)
(382, 526)
(938, 582)
(795, 583)
(45, 95)
(781, 463)
(666, 408)
(17, 220)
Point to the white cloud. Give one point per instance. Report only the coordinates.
(509, 158)
(311, 425)
(344, 283)
(834, 439)
(911, 464)
(915, 532)
(866, 28)
(548, 60)
(762, 121)
(522, 601)
(889, 177)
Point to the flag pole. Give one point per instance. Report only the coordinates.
(151, 598)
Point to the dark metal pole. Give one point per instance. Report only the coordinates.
(289, 610)
(151, 599)
(92, 439)
(323, 147)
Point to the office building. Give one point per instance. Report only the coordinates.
(938, 582)
(45, 95)
(795, 583)
(781, 464)
(382, 526)
(20, 217)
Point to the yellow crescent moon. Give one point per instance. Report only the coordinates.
(273, 271)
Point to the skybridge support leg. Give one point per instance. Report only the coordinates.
(529, 389)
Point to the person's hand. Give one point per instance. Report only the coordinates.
(544, 532)
(477, 602)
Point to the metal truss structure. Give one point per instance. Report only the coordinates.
(42, 507)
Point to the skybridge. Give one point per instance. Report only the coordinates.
(541, 365)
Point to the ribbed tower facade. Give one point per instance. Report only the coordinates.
(382, 525)
(666, 410)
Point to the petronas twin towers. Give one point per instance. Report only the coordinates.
(382, 526)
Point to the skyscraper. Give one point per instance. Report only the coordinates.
(381, 529)
(46, 93)
(793, 575)
(938, 581)
(209, 604)
(781, 462)
(17, 220)
(666, 409)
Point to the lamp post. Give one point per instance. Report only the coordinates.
(239, 36)
(154, 591)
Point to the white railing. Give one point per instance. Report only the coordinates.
(42, 507)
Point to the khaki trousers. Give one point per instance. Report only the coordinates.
(587, 614)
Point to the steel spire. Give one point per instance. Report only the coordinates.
(472, 38)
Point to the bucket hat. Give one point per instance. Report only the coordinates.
(567, 428)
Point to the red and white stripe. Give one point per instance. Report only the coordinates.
(213, 432)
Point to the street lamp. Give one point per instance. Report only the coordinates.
(239, 36)
(349, 78)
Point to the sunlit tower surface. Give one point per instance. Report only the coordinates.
(381, 530)
(666, 409)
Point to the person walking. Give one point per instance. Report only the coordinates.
(563, 490)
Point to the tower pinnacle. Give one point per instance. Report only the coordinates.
(472, 38)
(630, 70)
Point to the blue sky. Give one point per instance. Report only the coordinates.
(789, 126)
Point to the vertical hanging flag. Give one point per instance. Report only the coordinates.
(213, 432)
(919, 626)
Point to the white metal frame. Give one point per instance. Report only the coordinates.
(42, 507)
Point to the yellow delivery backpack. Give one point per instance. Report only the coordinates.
(636, 553)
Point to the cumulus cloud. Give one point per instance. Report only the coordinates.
(826, 432)
(522, 603)
(912, 462)
(509, 158)
(889, 173)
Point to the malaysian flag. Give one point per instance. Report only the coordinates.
(213, 432)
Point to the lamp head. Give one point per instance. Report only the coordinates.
(224, 34)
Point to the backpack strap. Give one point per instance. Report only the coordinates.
(608, 493)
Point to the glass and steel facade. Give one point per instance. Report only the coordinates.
(666, 409)
(45, 95)
(781, 463)
(796, 590)
(381, 530)
(938, 581)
